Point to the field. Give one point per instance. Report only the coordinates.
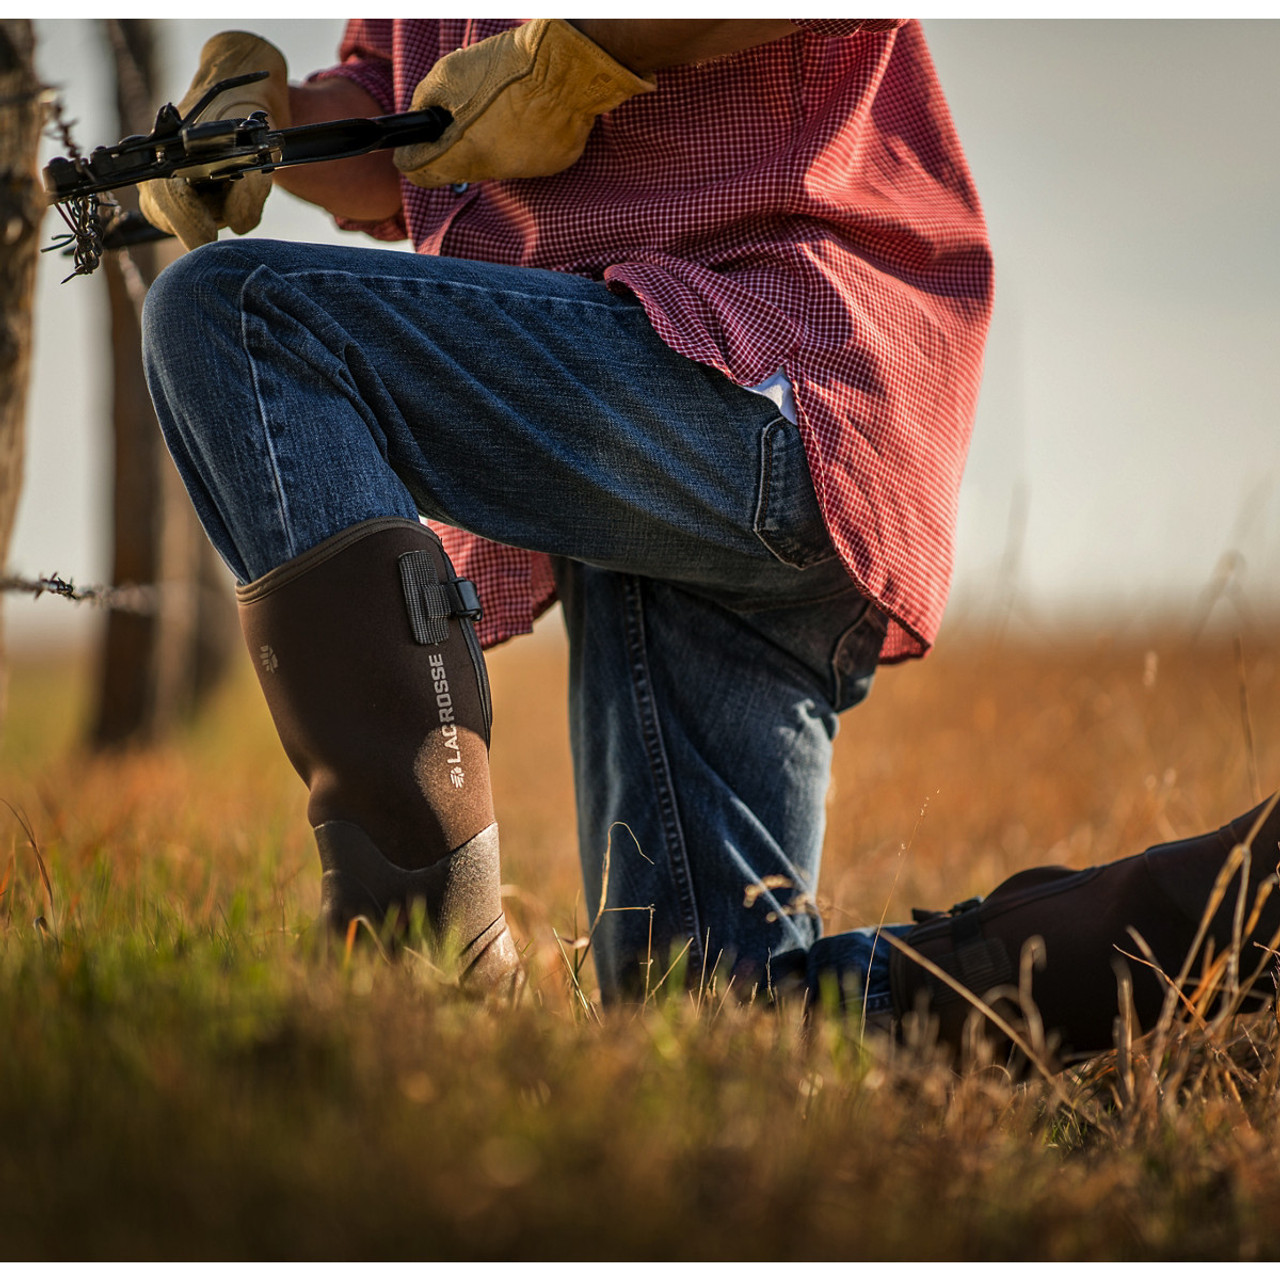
(188, 1072)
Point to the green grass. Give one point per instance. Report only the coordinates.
(187, 1070)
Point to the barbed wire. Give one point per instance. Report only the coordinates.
(85, 216)
(85, 223)
(125, 599)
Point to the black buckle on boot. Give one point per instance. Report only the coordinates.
(430, 602)
(465, 599)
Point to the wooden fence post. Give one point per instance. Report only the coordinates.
(22, 207)
(154, 668)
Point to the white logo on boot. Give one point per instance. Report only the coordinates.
(267, 656)
(448, 726)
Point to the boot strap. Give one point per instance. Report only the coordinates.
(432, 602)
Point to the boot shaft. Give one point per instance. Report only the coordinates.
(379, 695)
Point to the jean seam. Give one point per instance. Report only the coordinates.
(766, 480)
(609, 302)
(659, 766)
(282, 502)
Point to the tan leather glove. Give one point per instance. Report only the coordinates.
(173, 204)
(523, 103)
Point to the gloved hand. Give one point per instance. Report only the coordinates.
(523, 103)
(173, 204)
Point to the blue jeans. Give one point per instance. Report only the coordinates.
(714, 635)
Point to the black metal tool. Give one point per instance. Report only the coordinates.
(209, 152)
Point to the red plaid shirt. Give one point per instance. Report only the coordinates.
(803, 205)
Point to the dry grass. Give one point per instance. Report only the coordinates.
(186, 1073)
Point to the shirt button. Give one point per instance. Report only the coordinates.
(458, 187)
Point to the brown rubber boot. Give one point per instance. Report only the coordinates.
(366, 653)
(1084, 920)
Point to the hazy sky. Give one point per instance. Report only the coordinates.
(1129, 427)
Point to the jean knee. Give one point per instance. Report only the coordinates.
(188, 296)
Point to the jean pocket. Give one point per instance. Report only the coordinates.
(788, 519)
(856, 656)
